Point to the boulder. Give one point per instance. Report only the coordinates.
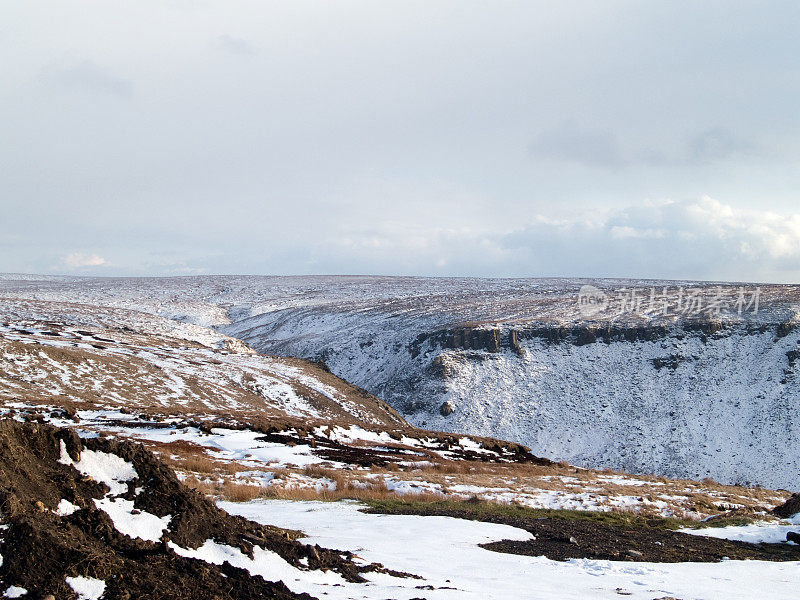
(788, 508)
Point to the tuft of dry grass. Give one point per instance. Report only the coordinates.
(345, 490)
(195, 464)
(377, 492)
(452, 468)
(337, 476)
(204, 487)
(227, 490)
(241, 492)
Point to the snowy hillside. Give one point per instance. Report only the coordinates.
(688, 400)
(106, 519)
(666, 380)
(87, 366)
(73, 357)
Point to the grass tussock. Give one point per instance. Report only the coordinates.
(734, 518)
(240, 492)
(227, 489)
(206, 488)
(338, 477)
(452, 468)
(233, 491)
(483, 510)
(371, 494)
(196, 464)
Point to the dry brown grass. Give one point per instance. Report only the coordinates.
(453, 468)
(196, 464)
(234, 491)
(204, 487)
(240, 492)
(337, 476)
(377, 492)
(227, 489)
(317, 470)
(202, 465)
(190, 457)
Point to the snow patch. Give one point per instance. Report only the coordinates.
(106, 468)
(132, 522)
(65, 508)
(756, 533)
(87, 588)
(265, 563)
(445, 552)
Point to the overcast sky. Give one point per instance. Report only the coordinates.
(643, 139)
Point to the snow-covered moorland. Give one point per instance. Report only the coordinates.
(114, 364)
(705, 390)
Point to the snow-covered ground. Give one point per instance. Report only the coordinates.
(768, 532)
(445, 552)
(162, 367)
(690, 401)
(244, 456)
(728, 411)
(442, 553)
(686, 402)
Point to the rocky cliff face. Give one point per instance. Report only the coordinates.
(690, 398)
(685, 403)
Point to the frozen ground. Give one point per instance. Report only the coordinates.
(445, 552)
(413, 462)
(138, 361)
(756, 533)
(692, 393)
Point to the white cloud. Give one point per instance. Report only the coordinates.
(699, 239)
(79, 260)
(702, 239)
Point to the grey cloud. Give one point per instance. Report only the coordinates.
(598, 148)
(715, 144)
(88, 76)
(234, 45)
(594, 148)
(705, 147)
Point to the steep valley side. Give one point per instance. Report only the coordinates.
(648, 385)
(688, 400)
